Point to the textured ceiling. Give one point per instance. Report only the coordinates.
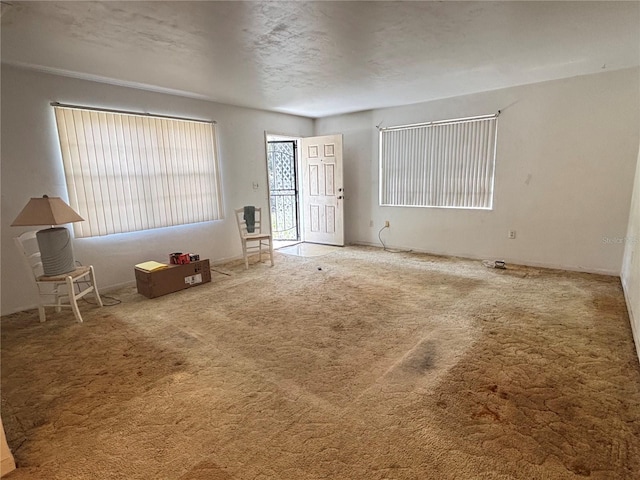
(322, 58)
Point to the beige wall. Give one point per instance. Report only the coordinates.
(631, 264)
(32, 166)
(564, 175)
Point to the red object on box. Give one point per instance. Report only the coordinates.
(179, 258)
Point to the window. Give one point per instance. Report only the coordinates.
(128, 172)
(439, 164)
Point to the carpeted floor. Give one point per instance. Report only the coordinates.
(358, 365)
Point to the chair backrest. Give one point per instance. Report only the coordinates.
(27, 244)
(242, 224)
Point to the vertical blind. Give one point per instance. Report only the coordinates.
(439, 164)
(128, 172)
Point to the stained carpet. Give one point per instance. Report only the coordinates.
(360, 365)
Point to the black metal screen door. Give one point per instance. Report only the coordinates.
(281, 160)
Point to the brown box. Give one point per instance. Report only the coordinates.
(172, 279)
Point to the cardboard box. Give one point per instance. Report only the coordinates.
(172, 279)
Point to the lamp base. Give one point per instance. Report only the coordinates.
(56, 251)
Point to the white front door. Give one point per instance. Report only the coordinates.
(322, 190)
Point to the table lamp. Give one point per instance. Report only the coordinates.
(56, 250)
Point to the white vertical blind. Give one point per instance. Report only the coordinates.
(128, 172)
(440, 164)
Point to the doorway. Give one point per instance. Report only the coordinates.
(282, 166)
(306, 193)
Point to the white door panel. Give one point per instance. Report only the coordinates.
(322, 190)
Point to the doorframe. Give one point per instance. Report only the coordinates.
(271, 136)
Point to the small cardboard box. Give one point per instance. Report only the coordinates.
(172, 279)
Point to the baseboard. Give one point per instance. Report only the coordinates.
(569, 268)
(635, 327)
(222, 261)
(116, 286)
(20, 309)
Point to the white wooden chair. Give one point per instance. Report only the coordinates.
(60, 286)
(253, 242)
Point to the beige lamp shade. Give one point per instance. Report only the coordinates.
(46, 211)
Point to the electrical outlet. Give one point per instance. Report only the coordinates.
(511, 234)
(386, 223)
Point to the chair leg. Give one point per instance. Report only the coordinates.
(244, 254)
(58, 301)
(95, 286)
(260, 251)
(271, 251)
(72, 300)
(41, 313)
